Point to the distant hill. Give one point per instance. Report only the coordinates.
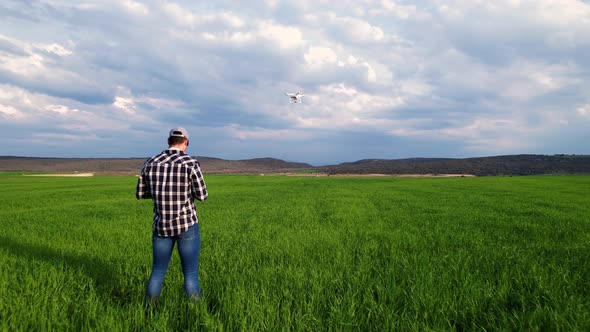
(128, 166)
(498, 165)
(257, 165)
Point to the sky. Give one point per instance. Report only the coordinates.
(382, 78)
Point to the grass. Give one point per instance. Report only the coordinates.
(304, 254)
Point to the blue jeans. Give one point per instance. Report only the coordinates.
(189, 247)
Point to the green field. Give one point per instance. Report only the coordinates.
(303, 254)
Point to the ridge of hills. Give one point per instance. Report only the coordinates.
(524, 164)
(132, 166)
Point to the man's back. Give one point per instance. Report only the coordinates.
(173, 180)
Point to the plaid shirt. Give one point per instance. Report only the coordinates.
(173, 180)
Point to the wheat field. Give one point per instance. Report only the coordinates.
(303, 254)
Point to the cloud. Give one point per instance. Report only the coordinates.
(9, 111)
(257, 133)
(354, 29)
(125, 104)
(316, 56)
(396, 9)
(193, 19)
(284, 36)
(56, 49)
(584, 111)
(456, 77)
(61, 109)
(135, 7)
(42, 67)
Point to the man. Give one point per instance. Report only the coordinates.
(173, 180)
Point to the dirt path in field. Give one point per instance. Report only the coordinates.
(63, 174)
(374, 175)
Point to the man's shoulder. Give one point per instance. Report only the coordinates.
(174, 158)
(155, 158)
(179, 158)
(188, 160)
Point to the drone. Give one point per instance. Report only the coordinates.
(295, 98)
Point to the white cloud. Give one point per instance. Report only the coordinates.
(23, 65)
(400, 11)
(56, 49)
(227, 27)
(371, 74)
(160, 102)
(584, 111)
(483, 127)
(179, 14)
(55, 138)
(125, 104)
(61, 109)
(9, 111)
(240, 37)
(87, 6)
(257, 133)
(339, 106)
(499, 145)
(559, 13)
(232, 20)
(354, 61)
(317, 56)
(524, 80)
(14, 95)
(355, 29)
(285, 36)
(482, 135)
(415, 87)
(186, 17)
(392, 6)
(518, 80)
(135, 7)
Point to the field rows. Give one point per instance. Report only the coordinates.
(305, 254)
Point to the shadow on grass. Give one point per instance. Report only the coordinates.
(105, 281)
